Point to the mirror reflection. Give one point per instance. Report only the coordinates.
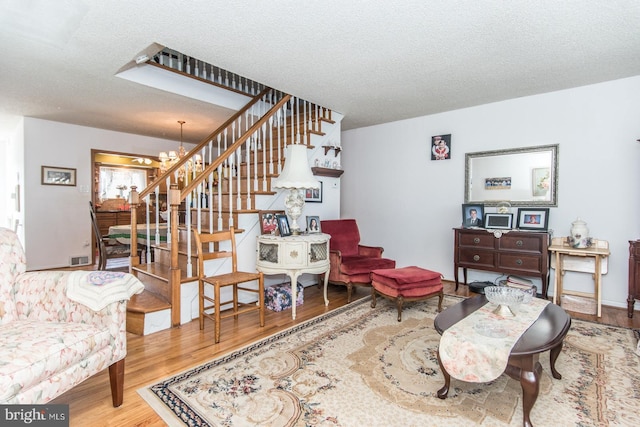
(522, 176)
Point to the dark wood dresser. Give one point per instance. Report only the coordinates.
(514, 252)
(634, 275)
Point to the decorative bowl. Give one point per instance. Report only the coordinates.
(506, 298)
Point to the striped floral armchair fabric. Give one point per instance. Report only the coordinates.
(58, 328)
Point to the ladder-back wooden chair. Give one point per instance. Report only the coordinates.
(209, 247)
(100, 240)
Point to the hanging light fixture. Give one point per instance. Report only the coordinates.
(168, 160)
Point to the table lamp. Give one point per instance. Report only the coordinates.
(296, 176)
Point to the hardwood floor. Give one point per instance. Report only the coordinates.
(154, 357)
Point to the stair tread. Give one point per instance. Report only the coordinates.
(147, 302)
(162, 271)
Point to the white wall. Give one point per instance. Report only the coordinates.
(57, 222)
(409, 204)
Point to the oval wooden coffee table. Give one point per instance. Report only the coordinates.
(546, 333)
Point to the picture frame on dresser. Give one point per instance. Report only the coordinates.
(500, 221)
(283, 225)
(313, 224)
(269, 221)
(533, 219)
(472, 215)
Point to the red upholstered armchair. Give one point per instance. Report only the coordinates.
(351, 262)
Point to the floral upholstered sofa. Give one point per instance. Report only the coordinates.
(58, 328)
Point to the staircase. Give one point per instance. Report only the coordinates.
(225, 180)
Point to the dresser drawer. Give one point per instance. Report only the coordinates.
(531, 243)
(472, 258)
(478, 240)
(520, 262)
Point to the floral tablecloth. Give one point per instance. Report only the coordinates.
(477, 348)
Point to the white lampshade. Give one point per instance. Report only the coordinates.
(296, 172)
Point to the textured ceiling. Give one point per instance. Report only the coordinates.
(373, 61)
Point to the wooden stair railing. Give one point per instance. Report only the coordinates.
(278, 117)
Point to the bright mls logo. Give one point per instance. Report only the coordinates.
(34, 415)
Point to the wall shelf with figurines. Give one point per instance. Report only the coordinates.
(333, 173)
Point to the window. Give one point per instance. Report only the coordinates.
(116, 182)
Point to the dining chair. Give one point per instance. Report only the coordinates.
(218, 246)
(100, 240)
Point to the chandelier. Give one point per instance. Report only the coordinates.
(173, 157)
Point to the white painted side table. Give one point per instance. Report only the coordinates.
(293, 256)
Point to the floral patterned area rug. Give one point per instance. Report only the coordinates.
(358, 366)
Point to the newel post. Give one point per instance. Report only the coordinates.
(174, 277)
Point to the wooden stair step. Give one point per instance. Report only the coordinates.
(147, 302)
(139, 306)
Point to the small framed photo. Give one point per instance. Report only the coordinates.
(313, 195)
(472, 215)
(313, 224)
(283, 225)
(269, 222)
(441, 147)
(533, 219)
(501, 221)
(52, 175)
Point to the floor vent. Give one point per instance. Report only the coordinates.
(79, 260)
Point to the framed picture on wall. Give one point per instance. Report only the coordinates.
(441, 147)
(313, 195)
(52, 175)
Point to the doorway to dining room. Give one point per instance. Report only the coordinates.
(114, 174)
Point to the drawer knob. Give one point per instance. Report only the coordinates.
(476, 257)
(476, 240)
(519, 243)
(519, 262)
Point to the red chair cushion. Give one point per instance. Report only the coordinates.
(358, 264)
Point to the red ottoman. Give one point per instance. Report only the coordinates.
(406, 284)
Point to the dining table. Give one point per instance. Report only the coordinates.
(154, 233)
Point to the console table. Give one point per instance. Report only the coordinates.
(293, 256)
(504, 251)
